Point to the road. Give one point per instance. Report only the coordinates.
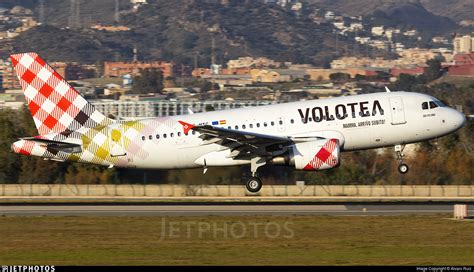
(205, 209)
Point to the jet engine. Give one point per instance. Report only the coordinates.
(311, 156)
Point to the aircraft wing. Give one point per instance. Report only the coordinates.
(241, 142)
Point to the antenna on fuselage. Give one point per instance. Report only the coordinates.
(387, 89)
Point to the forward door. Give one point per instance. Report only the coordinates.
(397, 110)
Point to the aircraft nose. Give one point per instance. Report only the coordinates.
(458, 119)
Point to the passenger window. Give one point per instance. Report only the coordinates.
(433, 105)
(194, 132)
(258, 124)
(243, 126)
(157, 136)
(280, 122)
(272, 123)
(143, 138)
(171, 135)
(229, 127)
(292, 121)
(265, 124)
(164, 135)
(424, 105)
(236, 127)
(251, 125)
(150, 137)
(179, 134)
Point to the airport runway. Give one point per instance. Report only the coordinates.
(205, 209)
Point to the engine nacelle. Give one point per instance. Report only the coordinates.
(312, 156)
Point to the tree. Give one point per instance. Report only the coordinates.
(148, 81)
(10, 161)
(433, 71)
(207, 86)
(339, 77)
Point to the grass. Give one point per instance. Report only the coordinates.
(236, 240)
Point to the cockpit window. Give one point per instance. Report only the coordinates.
(439, 103)
(424, 105)
(433, 105)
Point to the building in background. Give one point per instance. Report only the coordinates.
(118, 69)
(162, 108)
(463, 44)
(463, 65)
(8, 78)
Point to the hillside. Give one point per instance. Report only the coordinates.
(409, 15)
(179, 31)
(456, 10)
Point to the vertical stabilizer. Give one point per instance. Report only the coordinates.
(54, 104)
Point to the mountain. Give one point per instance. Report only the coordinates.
(182, 31)
(456, 10)
(410, 15)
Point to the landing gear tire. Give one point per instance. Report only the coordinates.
(403, 168)
(254, 185)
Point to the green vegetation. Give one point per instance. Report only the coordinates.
(148, 81)
(339, 77)
(236, 240)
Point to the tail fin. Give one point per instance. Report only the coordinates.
(54, 104)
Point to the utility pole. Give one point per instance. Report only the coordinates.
(213, 30)
(135, 54)
(117, 12)
(78, 14)
(196, 54)
(182, 75)
(74, 14)
(41, 12)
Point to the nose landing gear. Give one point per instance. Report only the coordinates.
(402, 167)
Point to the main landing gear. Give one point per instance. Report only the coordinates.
(254, 184)
(402, 167)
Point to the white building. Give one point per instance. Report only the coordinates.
(410, 33)
(363, 40)
(463, 44)
(377, 30)
(160, 108)
(339, 25)
(356, 27)
(329, 15)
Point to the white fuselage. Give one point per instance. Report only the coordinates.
(359, 122)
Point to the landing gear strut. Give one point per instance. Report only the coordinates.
(254, 184)
(402, 167)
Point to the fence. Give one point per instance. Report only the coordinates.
(57, 190)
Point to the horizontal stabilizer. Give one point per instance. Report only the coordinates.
(56, 145)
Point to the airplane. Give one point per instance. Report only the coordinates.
(307, 135)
